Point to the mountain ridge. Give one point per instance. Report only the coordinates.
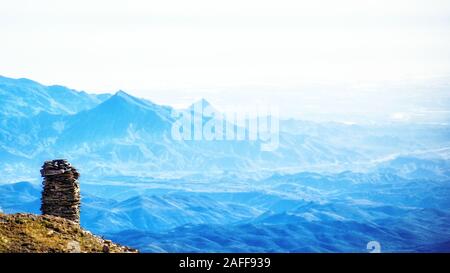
(24, 97)
(121, 129)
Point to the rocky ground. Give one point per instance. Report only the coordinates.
(29, 233)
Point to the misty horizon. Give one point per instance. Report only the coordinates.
(417, 102)
(317, 61)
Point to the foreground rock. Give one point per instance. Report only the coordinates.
(29, 233)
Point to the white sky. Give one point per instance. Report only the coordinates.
(227, 51)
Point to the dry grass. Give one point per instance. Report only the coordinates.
(29, 233)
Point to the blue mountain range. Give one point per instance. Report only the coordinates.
(329, 187)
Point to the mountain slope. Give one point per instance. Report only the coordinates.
(28, 233)
(114, 118)
(24, 98)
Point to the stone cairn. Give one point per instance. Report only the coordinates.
(61, 194)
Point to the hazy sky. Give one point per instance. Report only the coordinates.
(227, 51)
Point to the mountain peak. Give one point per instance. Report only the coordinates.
(123, 97)
(202, 102)
(122, 93)
(121, 100)
(115, 115)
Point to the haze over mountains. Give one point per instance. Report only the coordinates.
(328, 187)
(120, 133)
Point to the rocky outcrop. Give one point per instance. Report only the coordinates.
(29, 233)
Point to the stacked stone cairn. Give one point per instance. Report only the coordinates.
(61, 194)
